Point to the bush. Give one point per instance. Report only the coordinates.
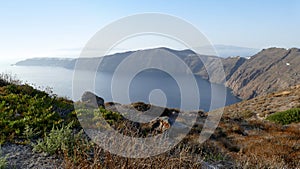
(20, 111)
(58, 140)
(28, 113)
(286, 117)
(91, 117)
(24, 90)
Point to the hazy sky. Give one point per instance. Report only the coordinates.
(60, 28)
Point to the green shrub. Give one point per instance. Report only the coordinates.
(286, 117)
(28, 113)
(109, 116)
(30, 133)
(58, 139)
(18, 111)
(91, 117)
(24, 90)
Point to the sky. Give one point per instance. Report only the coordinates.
(61, 28)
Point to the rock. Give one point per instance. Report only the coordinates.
(161, 124)
(92, 100)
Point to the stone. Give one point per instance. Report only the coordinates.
(92, 100)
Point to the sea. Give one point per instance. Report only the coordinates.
(157, 88)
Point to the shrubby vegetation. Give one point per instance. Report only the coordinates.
(286, 117)
(21, 108)
(91, 117)
(57, 140)
(27, 113)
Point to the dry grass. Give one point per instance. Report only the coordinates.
(262, 106)
(94, 157)
(266, 145)
(236, 143)
(262, 144)
(187, 154)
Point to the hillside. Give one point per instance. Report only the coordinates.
(255, 141)
(230, 65)
(53, 137)
(269, 70)
(262, 106)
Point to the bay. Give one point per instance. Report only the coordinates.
(141, 87)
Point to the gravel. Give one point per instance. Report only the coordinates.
(22, 157)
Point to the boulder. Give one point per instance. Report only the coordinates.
(92, 100)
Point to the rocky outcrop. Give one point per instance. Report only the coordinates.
(92, 100)
(268, 71)
(156, 119)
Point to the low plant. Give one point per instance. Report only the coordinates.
(30, 133)
(91, 118)
(286, 117)
(57, 140)
(18, 111)
(28, 113)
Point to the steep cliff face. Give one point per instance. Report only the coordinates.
(229, 66)
(270, 70)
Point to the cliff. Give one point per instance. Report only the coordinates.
(268, 71)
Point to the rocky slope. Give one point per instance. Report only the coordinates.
(243, 133)
(262, 106)
(261, 143)
(230, 65)
(268, 71)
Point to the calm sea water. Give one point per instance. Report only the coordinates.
(60, 80)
